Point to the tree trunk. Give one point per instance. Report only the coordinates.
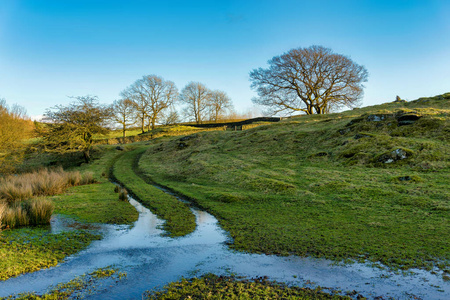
(153, 123)
(87, 156)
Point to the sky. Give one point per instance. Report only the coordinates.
(52, 49)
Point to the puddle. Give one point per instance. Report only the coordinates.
(151, 260)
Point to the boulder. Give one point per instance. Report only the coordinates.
(407, 119)
(395, 155)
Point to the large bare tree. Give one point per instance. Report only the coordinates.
(197, 97)
(72, 128)
(311, 80)
(219, 104)
(151, 95)
(123, 111)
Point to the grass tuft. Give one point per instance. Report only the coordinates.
(123, 195)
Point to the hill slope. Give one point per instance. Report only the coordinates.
(367, 184)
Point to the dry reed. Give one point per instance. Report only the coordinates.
(18, 191)
(3, 207)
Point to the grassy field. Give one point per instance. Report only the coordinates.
(369, 184)
(227, 287)
(179, 219)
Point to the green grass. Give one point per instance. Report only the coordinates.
(27, 250)
(228, 287)
(179, 219)
(76, 288)
(318, 185)
(96, 203)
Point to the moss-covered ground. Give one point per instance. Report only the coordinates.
(369, 184)
(228, 287)
(30, 249)
(77, 288)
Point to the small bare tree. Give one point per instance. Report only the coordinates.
(219, 104)
(123, 113)
(170, 117)
(312, 80)
(136, 94)
(197, 96)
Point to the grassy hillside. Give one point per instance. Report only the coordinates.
(367, 184)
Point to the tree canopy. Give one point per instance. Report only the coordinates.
(151, 95)
(72, 128)
(15, 126)
(122, 113)
(311, 80)
(197, 97)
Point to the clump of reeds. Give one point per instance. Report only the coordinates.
(15, 216)
(123, 194)
(19, 207)
(39, 211)
(41, 183)
(36, 211)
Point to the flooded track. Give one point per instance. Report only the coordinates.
(151, 261)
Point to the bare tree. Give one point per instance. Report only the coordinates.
(136, 94)
(197, 97)
(151, 95)
(312, 80)
(219, 104)
(123, 113)
(72, 128)
(170, 117)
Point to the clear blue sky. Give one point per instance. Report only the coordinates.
(50, 49)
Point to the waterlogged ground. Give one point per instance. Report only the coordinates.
(151, 261)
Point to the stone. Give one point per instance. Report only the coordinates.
(407, 119)
(394, 155)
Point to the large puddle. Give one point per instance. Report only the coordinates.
(151, 260)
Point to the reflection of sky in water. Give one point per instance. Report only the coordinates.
(152, 260)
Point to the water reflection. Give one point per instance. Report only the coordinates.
(152, 260)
